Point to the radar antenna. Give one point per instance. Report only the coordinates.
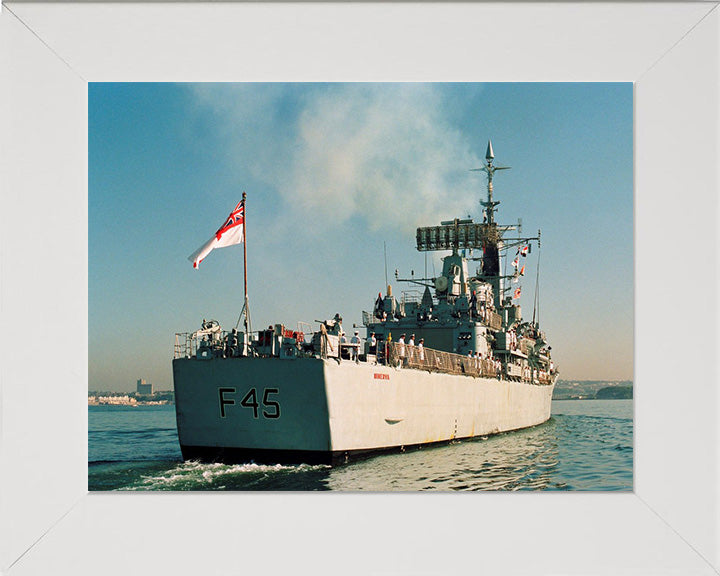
(489, 169)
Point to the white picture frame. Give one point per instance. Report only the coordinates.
(49, 523)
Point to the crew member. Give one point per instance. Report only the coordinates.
(232, 342)
(355, 342)
(338, 325)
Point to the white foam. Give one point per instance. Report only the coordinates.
(204, 474)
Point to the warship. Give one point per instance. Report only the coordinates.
(451, 359)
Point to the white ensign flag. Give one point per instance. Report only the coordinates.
(231, 232)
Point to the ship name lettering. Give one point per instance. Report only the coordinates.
(382, 376)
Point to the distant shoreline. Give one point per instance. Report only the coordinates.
(149, 403)
(593, 390)
(590, 398)
(159, 398)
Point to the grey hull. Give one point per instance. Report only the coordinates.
(313, 410)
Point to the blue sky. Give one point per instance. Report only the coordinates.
(331, 172)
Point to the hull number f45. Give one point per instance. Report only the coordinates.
(270, 407)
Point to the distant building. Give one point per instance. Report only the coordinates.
(143, 387)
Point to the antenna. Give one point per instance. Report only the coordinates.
(489, 169)
(385, 252)
(536, 303)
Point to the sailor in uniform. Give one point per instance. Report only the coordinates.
(355, 342)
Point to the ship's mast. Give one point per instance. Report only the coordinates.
(492, 243)
(466, 234)
(490, 170)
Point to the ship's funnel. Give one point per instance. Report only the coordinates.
(389, 290)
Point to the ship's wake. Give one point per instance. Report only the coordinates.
(194, 475)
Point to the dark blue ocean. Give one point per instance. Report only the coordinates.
(586, 445)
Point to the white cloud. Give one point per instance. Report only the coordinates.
(384, 153)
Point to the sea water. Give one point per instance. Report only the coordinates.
(586, 445)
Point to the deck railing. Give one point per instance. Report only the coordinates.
(188, 345)
(183, 345)
(432, 360)
(406, 356)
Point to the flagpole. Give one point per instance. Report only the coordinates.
(245, 305)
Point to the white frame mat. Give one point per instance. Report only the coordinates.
(49, 524)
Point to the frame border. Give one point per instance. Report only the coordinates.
(48, 52)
